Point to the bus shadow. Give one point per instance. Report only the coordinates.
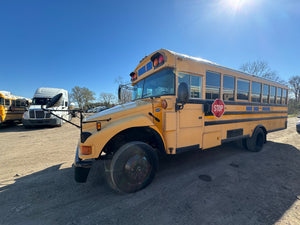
(244, 188)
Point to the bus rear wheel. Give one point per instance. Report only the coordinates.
(132, 167)
(256, 142)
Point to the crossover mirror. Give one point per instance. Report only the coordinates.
(55, 101)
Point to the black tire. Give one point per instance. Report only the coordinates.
(256, 142)
(132, 168)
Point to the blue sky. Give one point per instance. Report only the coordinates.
(60, 43)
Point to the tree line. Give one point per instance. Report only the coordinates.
(85, 98)
(262, 69)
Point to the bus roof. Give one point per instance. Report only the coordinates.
(8, 94)
(207, 62)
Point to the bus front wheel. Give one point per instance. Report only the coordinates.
(132, 167)
(256, 142)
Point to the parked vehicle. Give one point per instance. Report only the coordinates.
(36, 116)
(96, 109)
(180, 103)
(12, 107)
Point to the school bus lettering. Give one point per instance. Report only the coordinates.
(179, 103)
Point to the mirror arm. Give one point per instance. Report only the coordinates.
(179, 106)
(50, 111)
(207, 108)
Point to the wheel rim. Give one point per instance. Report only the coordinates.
(137, 169)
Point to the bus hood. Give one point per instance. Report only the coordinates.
(121, 110)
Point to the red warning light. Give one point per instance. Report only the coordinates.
(161, 59)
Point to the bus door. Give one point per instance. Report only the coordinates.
(190, 117)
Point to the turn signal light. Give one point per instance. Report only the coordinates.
(86, 150)
(164, 104)
(98, 126)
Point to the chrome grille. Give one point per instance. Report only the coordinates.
(31, 114)
(39, 114)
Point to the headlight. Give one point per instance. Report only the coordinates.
(53, 116)
(25, 115)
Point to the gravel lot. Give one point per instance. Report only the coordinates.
(224, 185)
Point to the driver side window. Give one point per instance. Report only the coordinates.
(194, 84)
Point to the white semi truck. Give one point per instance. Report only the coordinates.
(36, 116)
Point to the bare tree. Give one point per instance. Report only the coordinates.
(82, 96)
(107, 99)
(294, 83)
(261, 69)
(125, 91)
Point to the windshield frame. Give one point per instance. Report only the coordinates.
(142, 82)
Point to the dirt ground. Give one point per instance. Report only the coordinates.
(224, 185)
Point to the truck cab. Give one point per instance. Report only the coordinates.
(36, 116)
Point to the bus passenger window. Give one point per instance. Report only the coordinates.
(243, 89)
(1, 101)
(284, 97)
(266, 93)
(279, 94)
(228, 88)
(7, 102)
(194, 84)
(13, 102)
(273, 94)
(196, 87)
(213, 84)
(18, 103)
(255, 92)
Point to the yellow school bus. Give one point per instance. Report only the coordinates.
(179, 103)
(12, 107)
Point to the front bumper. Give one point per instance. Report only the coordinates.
(82, 168)
(41, 122)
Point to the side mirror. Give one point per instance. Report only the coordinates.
(55, 101)
(183, 93)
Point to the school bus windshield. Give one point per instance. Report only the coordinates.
(158, 84)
